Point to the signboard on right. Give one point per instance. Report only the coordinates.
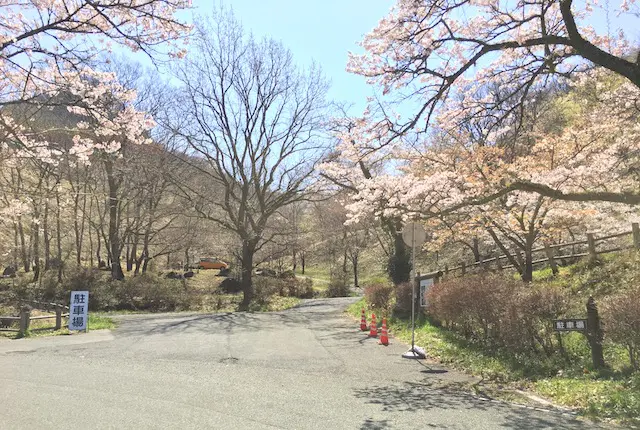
(425, 284)
(570, 324)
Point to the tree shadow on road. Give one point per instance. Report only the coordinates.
(371, 424)
(414, 397)
(218, 323)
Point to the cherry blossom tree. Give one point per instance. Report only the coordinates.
(354, 164)
(47, 49)
(441, 59)
(46, 46)
(591, 156)
(434, 50)
(580, 141)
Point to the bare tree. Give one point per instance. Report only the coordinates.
(253, 125)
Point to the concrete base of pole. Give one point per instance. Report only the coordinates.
(415, 353)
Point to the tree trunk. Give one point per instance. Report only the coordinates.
(59, 237)
(144, 256)
(90, 235)
(98, 250)
(77, 228)
(145, 264)
(527, 268)
(132, 252)
(527, 271)
(46, 237)
(16, 245)
(344, 254)
(138, 265)
(114, 239)
(302, 261)
(36, 247)
(399, 267)
(116, 269)
(354, 262)
(248, 250)
(294, 260)
(476, 250)
(23, 247)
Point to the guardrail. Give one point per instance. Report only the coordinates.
(25, 317)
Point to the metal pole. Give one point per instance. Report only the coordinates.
(415, 352)
(413, 286)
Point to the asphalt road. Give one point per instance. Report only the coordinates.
(306, 368)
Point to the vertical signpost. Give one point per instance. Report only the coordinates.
(78, 310)
(413, 235)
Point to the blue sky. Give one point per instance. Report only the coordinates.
(326, 30)
(321, 30)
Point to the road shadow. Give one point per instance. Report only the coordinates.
(414, 397)
(370, 424)
(430, 369)
(322, 313)
(227, 323)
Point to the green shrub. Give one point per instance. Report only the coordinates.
(102, 292)
(48, 288)
(23, 289)
(289, 287)
(301, 288)
(527, 323)
(499, 311)
(404, 292)
(621, 318)
(399, 267)
(287, 274)
(151, 293)
(338, 285)
(379, 294)
(266, 288)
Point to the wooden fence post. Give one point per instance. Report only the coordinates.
(499, 262)
(446, 271)
(25, 320)
(594, 334)
(58, 317)
(635, 227)
(463, 268)
(552, 262)
(591, 243)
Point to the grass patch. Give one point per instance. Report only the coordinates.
(614, 395)
(319, 275)
(595, 397)
(100, 322)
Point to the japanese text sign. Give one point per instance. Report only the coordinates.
(570, 325)
(78, 310)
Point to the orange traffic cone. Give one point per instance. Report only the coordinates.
(384, 337)
(363, 321)
(373, 332)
